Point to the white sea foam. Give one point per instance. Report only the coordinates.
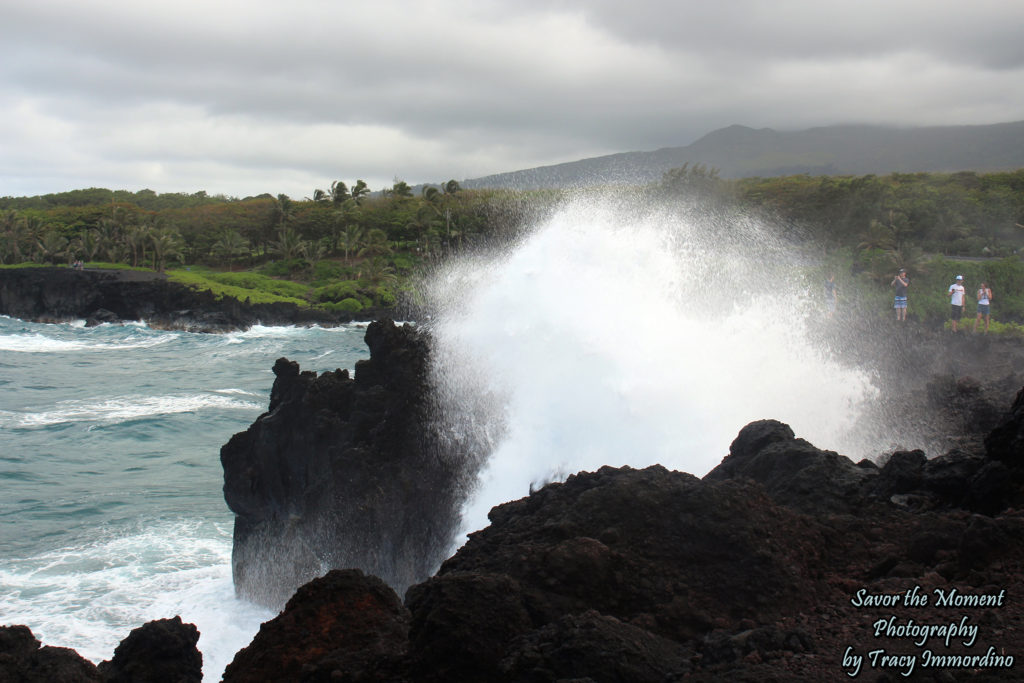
(41, 343)
(90, 597)
(714, 338)
(122, 409)
(238, 392)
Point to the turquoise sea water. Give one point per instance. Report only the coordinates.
(112, 510)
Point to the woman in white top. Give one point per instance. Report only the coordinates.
(984, 299)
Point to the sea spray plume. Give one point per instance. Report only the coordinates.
(621, 334)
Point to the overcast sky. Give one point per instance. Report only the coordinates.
(278, 96)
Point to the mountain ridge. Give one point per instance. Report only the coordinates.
(739, 151)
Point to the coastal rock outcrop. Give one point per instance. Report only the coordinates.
(344, 626)
(344, 472)
(784, 563)
(23, 658)
(104, 296)
(161, 650)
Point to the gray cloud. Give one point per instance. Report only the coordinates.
(253, 97)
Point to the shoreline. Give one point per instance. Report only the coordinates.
(57, 295)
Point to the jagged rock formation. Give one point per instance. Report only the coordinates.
(344, 472)
(162, 650)
(25, 659)
(98, 296)
(354, 622)
(750, 574)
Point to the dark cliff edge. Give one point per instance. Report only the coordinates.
(786, 562)
(345, 472)
(111, 296)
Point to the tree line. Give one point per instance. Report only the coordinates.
(347, 223)
(872, 224)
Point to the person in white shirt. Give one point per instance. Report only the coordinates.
(956, 300)
(984, 299)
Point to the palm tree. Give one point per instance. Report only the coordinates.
(351, 239)
(229, 246)
(319, 196)
(166, 243)
(52, 246)
(33, 229)
(359, 191)
(344, 216)
(377, 271)
(401, 189)
(431, 194)
(376, 244)
(313, 252)
(339, 193)
(135, 238)
(86, 245)
(429, 241)
(14, 234)
(426, 219)
(910, 257)
(877, 236)
(109, 234)
(288, 243)
(282, 210)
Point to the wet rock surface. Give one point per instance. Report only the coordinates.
(343, 472)
(161, 650)
(345, 626)
(778, 565)
(24, 659)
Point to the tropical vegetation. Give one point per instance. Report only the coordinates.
(346, 247)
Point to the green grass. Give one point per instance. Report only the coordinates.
(262, 283)
(258, 289)
(995, 328)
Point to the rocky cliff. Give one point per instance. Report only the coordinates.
(345, 472)
(784, 563)
(103, 296)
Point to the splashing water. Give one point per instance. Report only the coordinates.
(605, 338)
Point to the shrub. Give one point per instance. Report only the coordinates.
(199, 280)
(325, 271)
(284, 268)
(261, 283)
(346, 289)
(404, 263)
(344, 306)
(384, 297)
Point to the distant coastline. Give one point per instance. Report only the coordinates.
(54, 294)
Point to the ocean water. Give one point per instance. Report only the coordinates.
(112, 511)
(605, 336)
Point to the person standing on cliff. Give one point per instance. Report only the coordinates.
(900, 282)
(956, 300)
(984, 299)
